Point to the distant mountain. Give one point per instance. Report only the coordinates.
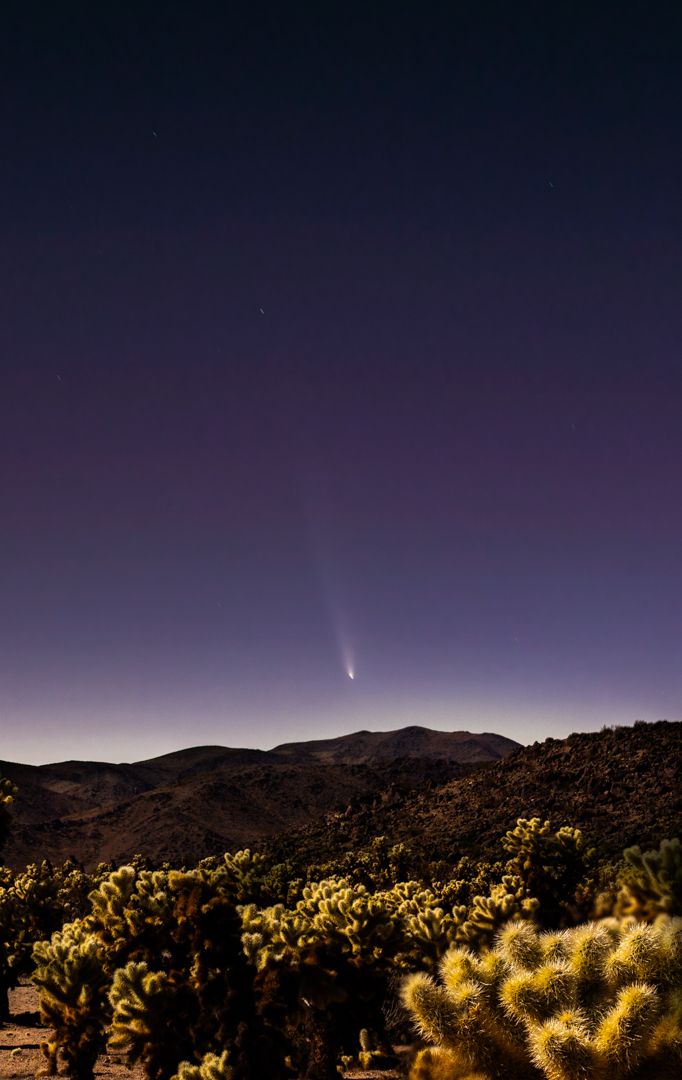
(370, 747)
(445, 794)
(204, 800)
(621, 786)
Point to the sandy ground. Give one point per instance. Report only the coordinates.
(21, 1059)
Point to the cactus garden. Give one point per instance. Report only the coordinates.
(546, 962)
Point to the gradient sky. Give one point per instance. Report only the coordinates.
(329, 335)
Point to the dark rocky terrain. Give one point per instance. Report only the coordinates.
(204, 800)
(445, 794)
(621, 786)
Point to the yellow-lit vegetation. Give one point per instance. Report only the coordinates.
(258, 972)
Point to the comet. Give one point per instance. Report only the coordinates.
(351, 673)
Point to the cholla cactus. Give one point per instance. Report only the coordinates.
(599, 1002)
(73, 972)
(142, 1002)
(331, 914)
(652, 882)
(393, 927)
(72, 978)
(323, 967)
(506, 900)
(425, 926)
(551, 865)
(33, 904)
(242, 874)
(8, 794)
(337, 950)
(169, 943)
(212, 1067)
(373, 1056)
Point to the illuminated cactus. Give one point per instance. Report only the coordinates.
(323, 967)
(186, 924)
(169, 944)
(72, 978)
(551, 865)
(73, 971)
(8, 794)
(506, 900)
(599, 1002)
(243, 875)
(652, 882)
(212, 1067)
(336, 952)
(7, 950)
(34, 903)
(371, 1055)
(142, 1003)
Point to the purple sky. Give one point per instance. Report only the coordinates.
(331, 336)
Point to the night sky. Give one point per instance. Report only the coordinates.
(337, 337)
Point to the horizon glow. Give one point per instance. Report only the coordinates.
(321, 409)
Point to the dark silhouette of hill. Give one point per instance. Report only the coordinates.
(204, 800)
(443, 793)
(370, 747)
(621, 786)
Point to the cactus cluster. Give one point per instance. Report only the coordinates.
(506, 900)
(141, 1002)
(393, 927)
(8, 794)
(280, 989)
(33, 903)
(72, 978)
(600, 1001)
(212, 1067)
(264, 981)
(652, 882)
(552, 865)
(155, 943)
(326, 965)
(322, 966)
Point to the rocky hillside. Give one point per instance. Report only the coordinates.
(445, 794)
(186, 805)
(620, 786)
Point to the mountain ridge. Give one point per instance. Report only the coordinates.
(196, 801)
(412, 741)
(308, 803)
